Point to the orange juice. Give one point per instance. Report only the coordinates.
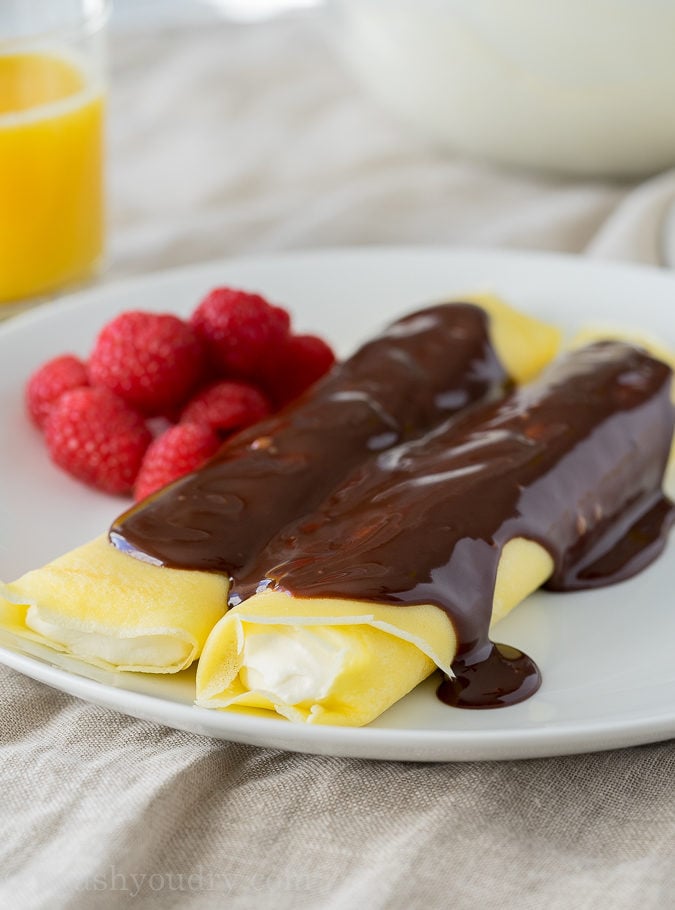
(51, 174)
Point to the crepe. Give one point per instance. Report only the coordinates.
(523, 344)
(342, 662)
(410, 562)
(115, 612)
(593, 332)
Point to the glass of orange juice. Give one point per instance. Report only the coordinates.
(52, 99)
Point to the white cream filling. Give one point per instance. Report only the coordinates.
(152, 650)
(295, 667)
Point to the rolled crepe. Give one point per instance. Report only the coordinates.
(407, 564)
(132, 612)
(115, 612)
(593, 332)
(337, 661)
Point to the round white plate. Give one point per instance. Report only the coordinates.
(607, 657)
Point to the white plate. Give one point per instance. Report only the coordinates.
(607, 657)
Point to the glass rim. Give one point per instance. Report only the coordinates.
(87, 24)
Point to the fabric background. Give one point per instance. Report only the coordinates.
(227, 139)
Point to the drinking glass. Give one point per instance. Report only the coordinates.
(52, 103)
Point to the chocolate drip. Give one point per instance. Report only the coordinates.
(425, 367)
(494, 676)
(574, 462)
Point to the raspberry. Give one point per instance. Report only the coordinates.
(240, 331)
(296, 366)
(176, 452)
(226, 406)
(93, 435)
(152, 361)
(47, 384)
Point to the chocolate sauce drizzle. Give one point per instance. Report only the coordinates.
(425, 367)
(574, 462)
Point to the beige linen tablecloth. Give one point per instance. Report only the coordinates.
(228, 139)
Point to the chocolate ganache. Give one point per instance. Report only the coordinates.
(575, 462)
(425, 367)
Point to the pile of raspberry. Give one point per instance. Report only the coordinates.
(159, 395)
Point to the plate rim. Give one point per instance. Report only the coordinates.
(43, 310)
(356, 742)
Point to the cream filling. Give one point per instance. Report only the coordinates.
(158, 651)
(299, 665)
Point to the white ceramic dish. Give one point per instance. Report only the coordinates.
(607, 657)
(582, 87)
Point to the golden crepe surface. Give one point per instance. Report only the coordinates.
(115, 612)
(561, 480)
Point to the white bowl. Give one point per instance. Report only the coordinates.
(582, 86)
